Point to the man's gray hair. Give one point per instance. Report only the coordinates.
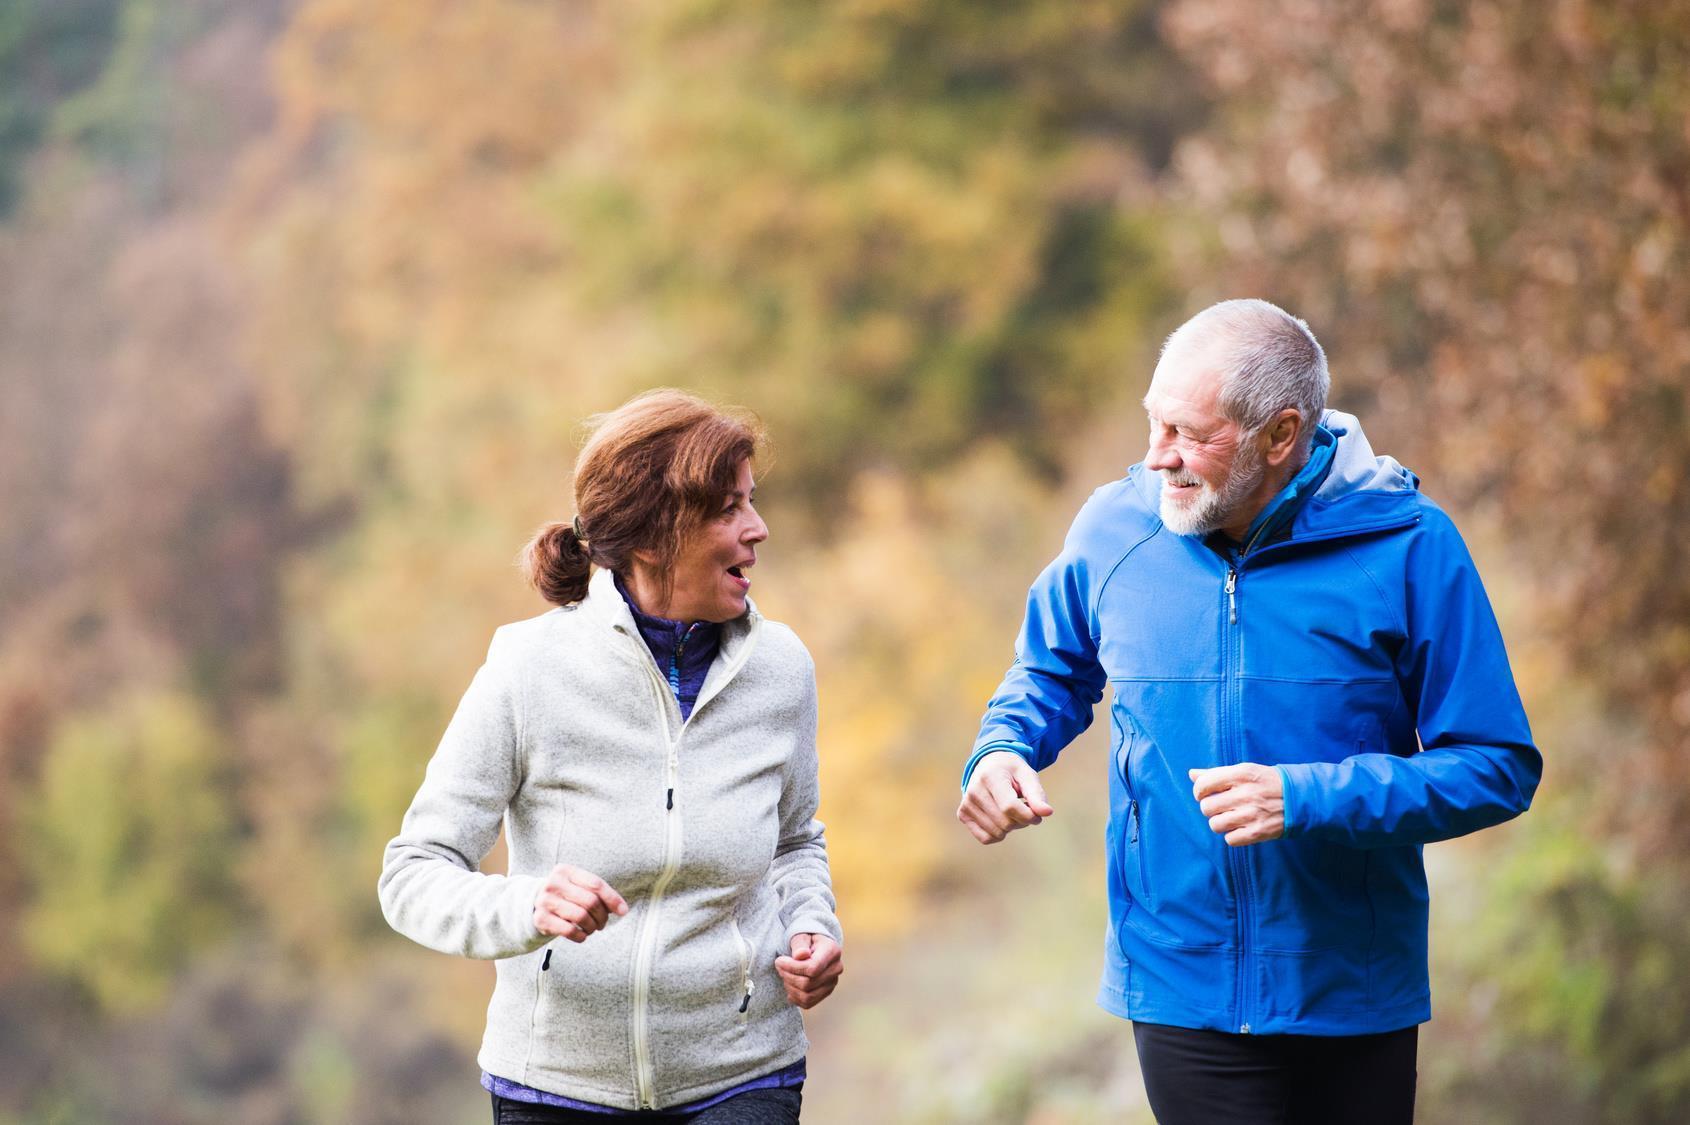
(1268, 358)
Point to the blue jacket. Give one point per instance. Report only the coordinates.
(1354, 649)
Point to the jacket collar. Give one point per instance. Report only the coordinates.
(605, 606)
(1275, 518)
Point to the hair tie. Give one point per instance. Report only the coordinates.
(580, 535)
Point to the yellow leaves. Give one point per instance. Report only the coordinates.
(910, 615)
(129, 843)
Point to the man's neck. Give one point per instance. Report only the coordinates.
(1272, 482)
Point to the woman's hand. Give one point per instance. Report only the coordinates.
(812, 972)
(574, 903)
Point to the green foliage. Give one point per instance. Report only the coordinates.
(48, 50)
(129, 843)
(893, 228)
(1586, 953)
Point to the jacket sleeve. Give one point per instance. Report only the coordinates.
(1046, 698)
(800, 871)
(1476, 766)
(430, 889)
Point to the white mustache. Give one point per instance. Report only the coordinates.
(1180, 478)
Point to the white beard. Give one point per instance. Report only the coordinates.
(1211, 507)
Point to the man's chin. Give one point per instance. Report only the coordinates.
(1181, 519)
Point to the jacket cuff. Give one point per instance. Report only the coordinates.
(814, 924)
(993, 747)
(519, 894)
(1286, 800)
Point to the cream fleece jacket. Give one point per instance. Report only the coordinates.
(569, 735)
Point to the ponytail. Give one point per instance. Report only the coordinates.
(557, 563)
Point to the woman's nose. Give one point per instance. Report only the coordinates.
(757, 531)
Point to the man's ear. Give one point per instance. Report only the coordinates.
(1283, 436)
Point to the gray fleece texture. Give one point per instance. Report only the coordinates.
(569, 735)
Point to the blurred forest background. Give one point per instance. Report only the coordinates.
(302, 303)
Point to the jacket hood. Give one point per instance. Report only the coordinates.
(1355, 467)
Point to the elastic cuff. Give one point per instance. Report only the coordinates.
(814, 925)
(1285, 798)
(993, 748)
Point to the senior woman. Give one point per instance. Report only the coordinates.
(649, 746)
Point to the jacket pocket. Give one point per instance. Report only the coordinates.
(1136, 847)
(1124, 739)
(747, 986)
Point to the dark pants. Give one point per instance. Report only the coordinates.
(754, 1107)
(1204, 1077)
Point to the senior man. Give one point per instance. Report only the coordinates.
(1308, 685)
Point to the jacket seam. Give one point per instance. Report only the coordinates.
(522, 748)
(1097, 602)
(1391, 609)
(1319, 679)
(1164, 679)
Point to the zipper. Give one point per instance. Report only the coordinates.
(645, 942)
(1237, 861)
(744, 970)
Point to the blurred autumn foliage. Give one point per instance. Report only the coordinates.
(301, 305)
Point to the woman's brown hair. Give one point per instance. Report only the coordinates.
(651, 472)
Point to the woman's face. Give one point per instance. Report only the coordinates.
(712, 573)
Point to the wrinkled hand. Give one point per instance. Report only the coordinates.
(812, 972)
(1245, 803)
(574, 903)
(1003, 794)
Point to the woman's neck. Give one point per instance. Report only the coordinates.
(645, 590)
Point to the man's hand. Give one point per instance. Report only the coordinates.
(1245, 803)
(812, 972)
(1003, 794)
(574, 903)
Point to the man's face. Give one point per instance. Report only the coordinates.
(1209, 466)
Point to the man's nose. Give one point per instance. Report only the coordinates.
(1161, 456)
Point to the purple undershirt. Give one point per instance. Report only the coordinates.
(683, 653)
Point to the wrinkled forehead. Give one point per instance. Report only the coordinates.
(1186, 386)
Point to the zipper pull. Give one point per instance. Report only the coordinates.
(670, 804)
(546, 962)
(1231, 595)
(746, 1003)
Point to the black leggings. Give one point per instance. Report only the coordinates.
(778, 1106)
(1204, 1077)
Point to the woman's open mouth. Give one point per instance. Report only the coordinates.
(738, 575)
